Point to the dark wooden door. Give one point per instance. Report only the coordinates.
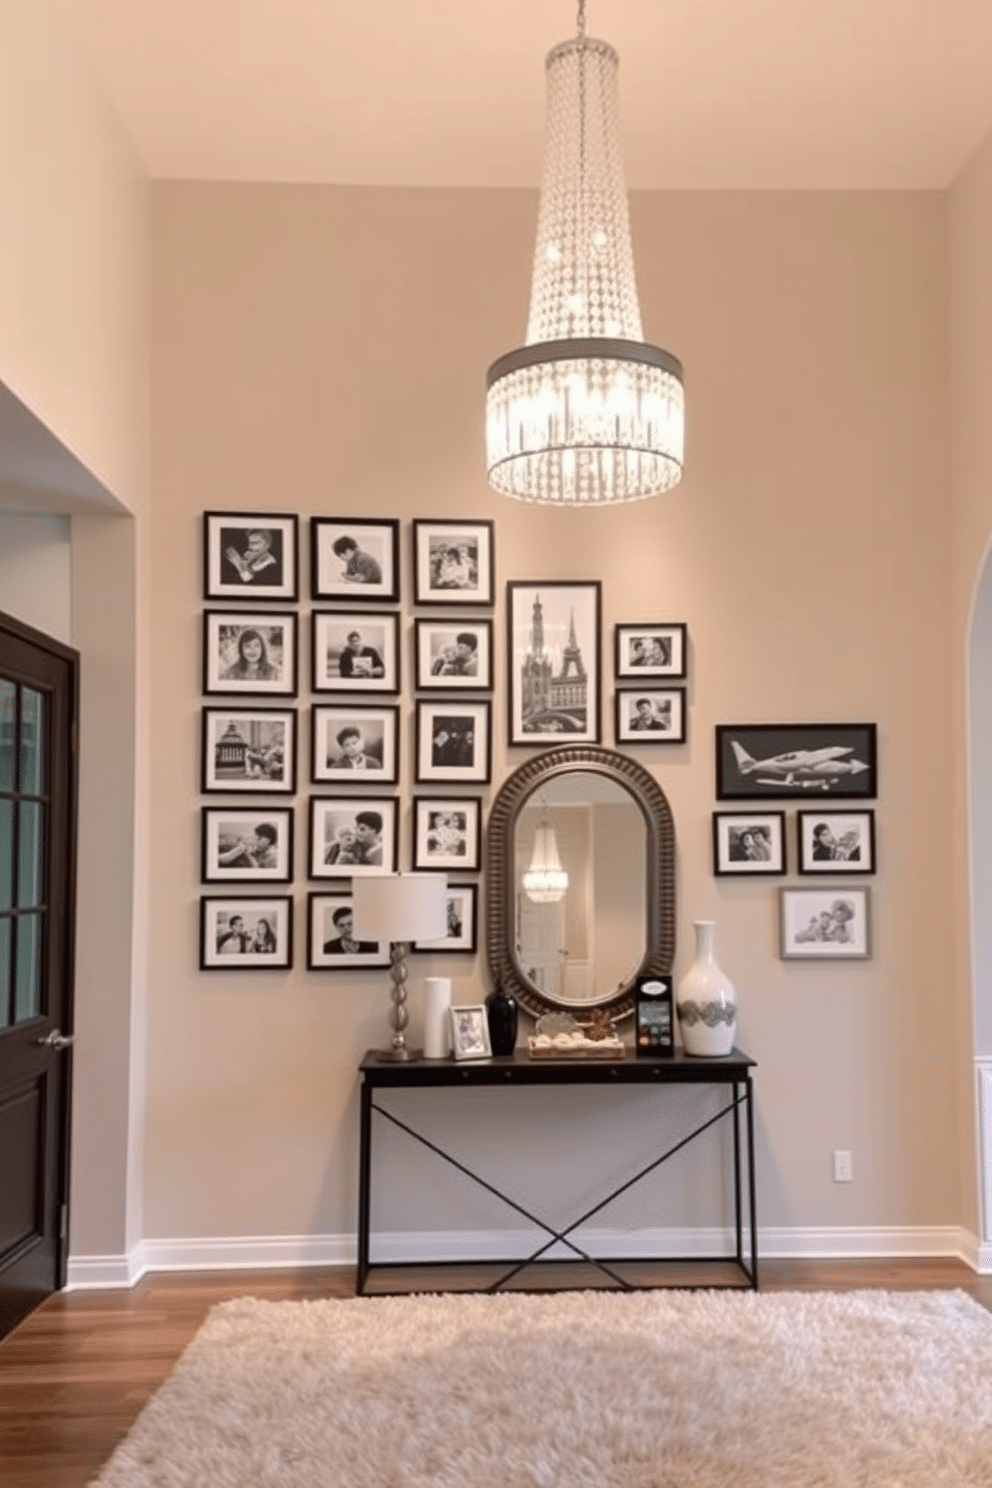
(39, 686)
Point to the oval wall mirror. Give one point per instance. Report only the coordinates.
(580, 882)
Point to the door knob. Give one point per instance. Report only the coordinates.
(57, 1040)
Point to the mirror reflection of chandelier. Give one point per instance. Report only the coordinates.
(545, 881)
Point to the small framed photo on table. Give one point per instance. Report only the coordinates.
(244, 652)
(355, 652)
(470, 1032)
(249, 555)
(652, 650)
(651, 715)
(354, 558)
(453, 742)
(748, 842)
(827, 924)
(453, 562)
(836, 841)
(246, 934)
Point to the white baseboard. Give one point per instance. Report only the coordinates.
(237, 1253)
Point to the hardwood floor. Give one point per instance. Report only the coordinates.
(75, 1374)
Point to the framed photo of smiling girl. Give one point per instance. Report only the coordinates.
(246, 652)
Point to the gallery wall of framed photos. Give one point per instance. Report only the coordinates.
(384, 677)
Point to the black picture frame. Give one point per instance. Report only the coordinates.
(650, 715)
(748, 843)
(447, 833)
(249, 652)
(232, 937)
(355, 559)
(847, 845)
(251, 556)
(453, 655)
(333, 758)
(246, 844)
(454, 562)
(651, 650)
(248, 751)
(553, 661)
(453, 741)
(374, 665)
(338, 828)
(324, 913)
(796, 761)
(462, 910)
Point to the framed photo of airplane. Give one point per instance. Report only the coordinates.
(796, 761)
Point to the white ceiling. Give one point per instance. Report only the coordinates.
(714, 93)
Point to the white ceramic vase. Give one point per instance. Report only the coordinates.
(706, 1001)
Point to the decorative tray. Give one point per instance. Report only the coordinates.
(574, 1046)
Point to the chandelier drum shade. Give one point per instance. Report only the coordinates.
(586, 413)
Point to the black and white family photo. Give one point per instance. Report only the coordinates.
(453, 742)
(353, 835)
(825, 923)
(249, 556)
(246, 845)
(353, 743)
(836, 841)
(355, 652)
(651, 716)
(453, 562)
(450, 657)
(246, 934)
(248, 750)
(249, 653)
(447, 833)
(748, 842)
(354, 558)
(331, 940)
(657, 650)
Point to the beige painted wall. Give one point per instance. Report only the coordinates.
(323, 351)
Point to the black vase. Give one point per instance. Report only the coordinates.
(501, 1015)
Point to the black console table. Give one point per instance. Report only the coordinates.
(731, 1073)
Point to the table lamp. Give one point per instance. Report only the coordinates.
(400, 908)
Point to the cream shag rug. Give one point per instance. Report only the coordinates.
(576, 1390)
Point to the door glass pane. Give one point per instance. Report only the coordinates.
(4, 972)
(8, 721)
(32, 742)
(6, 854)
(29, 853)
(27, 1002)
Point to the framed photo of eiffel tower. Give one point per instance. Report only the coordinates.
(553, 661)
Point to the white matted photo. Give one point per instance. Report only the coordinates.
(461, 902)
(331, 941)
(453, 562)
(451, 657)
(244, 652)
(352, 836)
(447, 832)
(825, 923)
(355, 743)
(249, 555)
(354, 558)
(248, 750)
(748, 842)
(246, 844)
(553, 661)
(470, 1032)
(355, 652)
(652, 650)
(246, 934)
(650, 715)
(836, 841)
(453, 741)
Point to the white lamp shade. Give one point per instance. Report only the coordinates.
(400, 906)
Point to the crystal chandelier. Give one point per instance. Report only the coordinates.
(587, 413)
(545, 881)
